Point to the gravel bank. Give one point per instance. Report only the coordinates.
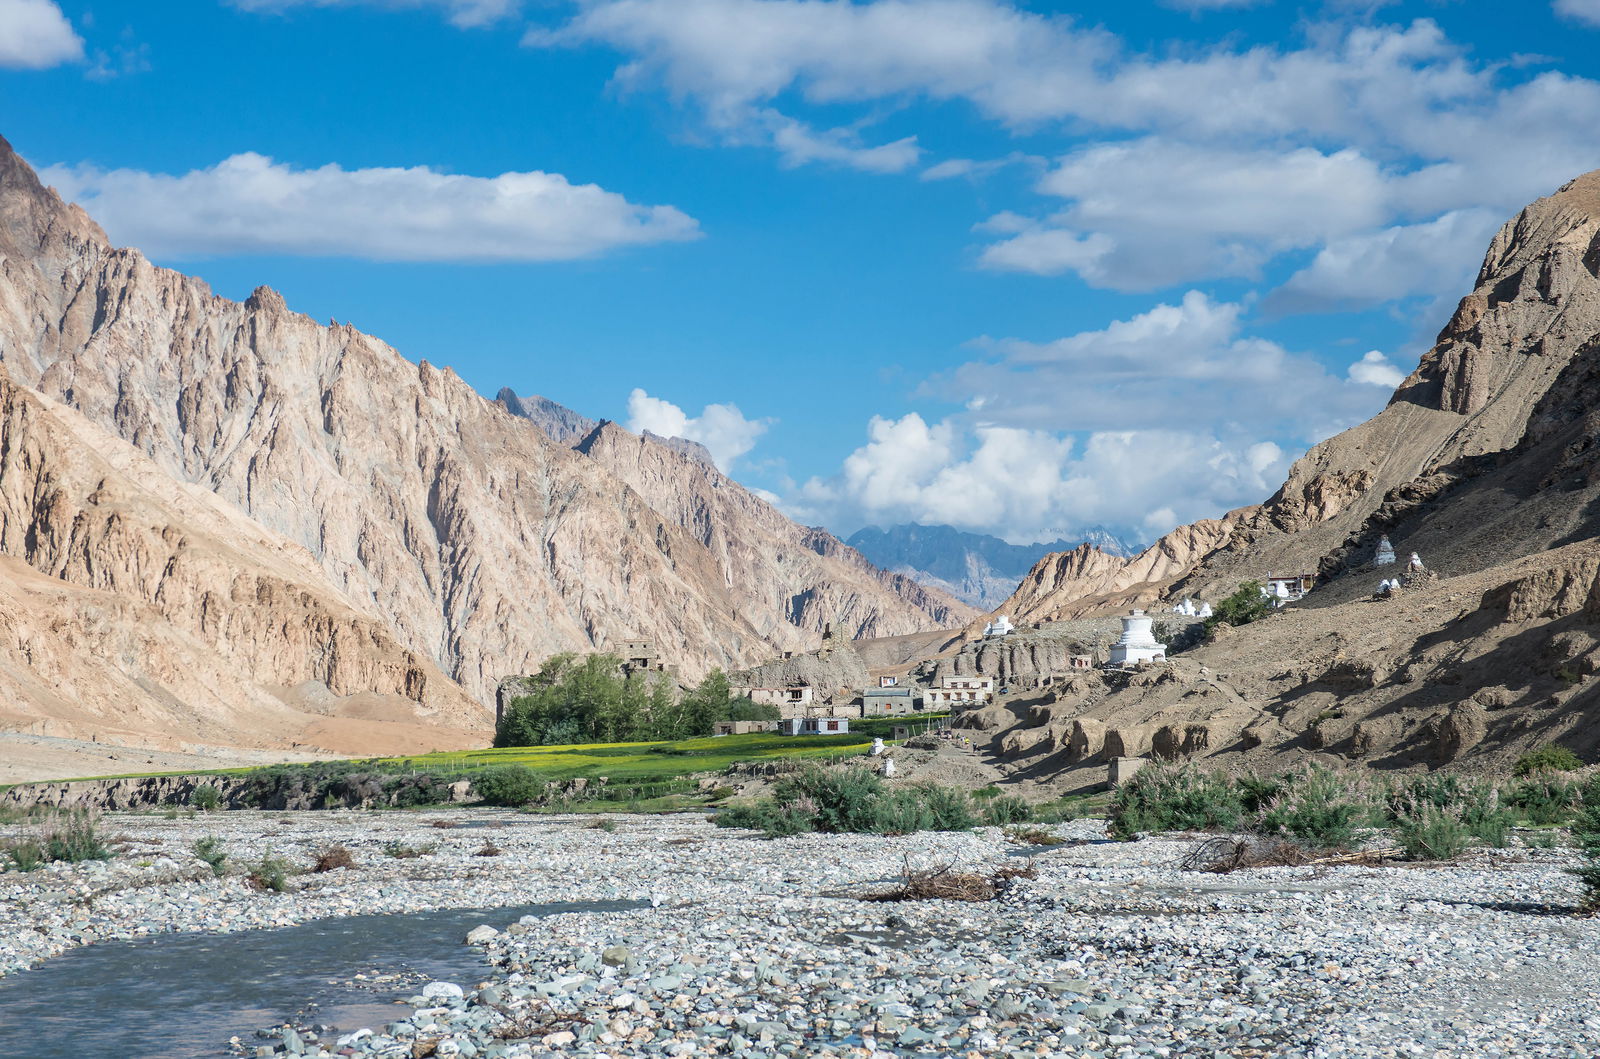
(749, 949)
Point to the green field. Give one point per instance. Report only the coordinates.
(622, 764)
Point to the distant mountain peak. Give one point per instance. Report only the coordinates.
(981, 569)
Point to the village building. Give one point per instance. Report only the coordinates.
(959, 693)
(1081, 662)
(814, 726)
(743, 727)
(888, 702)
(888, 682)
(1138, 643)
(1286, 588)
(793, 697)
(640, 656)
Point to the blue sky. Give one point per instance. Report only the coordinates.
(1018, 268)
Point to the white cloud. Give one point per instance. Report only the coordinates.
(1581, 10)
(1187, 366)
(464, 13)
(35, 35)
(1029, 485)
(1237, 155)
(1212, 5)
(1435, 258)
(1375, 369)
(1170, 415)
(250, 204)
(721, 428)
(799, 144)
(1154, 211)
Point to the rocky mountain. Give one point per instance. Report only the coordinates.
(470, 536)
(982, 570)
(141, 610)
(559, 423)
(1485, 464)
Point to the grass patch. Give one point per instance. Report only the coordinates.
(210, 850)
(854, 799)
(1434, 817)
(271, 872)
(68, 836)
(405, 851)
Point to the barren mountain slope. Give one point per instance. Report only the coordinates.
(791, 577)
(1535, 304)
(484, 543)
(134, 609)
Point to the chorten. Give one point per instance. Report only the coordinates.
(1385, 555)
(1137, 643)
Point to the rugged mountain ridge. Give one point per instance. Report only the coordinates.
(478, 541)
(139, 609)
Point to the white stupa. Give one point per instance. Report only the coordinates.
(1385, 554)
(1137, 644)
(1001, 626)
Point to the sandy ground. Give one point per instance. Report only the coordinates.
(36, 757)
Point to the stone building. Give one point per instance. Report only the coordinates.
(959, 693)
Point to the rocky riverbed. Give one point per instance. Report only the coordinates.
(742, 946)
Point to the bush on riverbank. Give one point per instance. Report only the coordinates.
(210, 850)
(1435, 817)
(855, 800)
(70, 837)
(1586, 835)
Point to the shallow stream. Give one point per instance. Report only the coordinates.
(182, 996)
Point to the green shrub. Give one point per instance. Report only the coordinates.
(1007, 809)
(902, 811)
(269, 873)
(206, 798)
(70, 836)
(1432, 833)
(841, 800)
(209, 849)
(1544, 798)
(1319, 808)
(1552, 757)
(1586, 835)
(508, 785)
(1163, 797)
(402, 851)
(766, 815)
(602, 824)
(25, 854)
(948, 808)
(1246, 605)
(852, 800)
(1473, 803)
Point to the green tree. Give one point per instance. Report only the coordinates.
(1246, 605)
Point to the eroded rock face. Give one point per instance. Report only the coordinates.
(482, 543)
(152, 609)
(1553, 593)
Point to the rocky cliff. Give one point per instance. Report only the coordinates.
(479, 541)
(139, 609)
